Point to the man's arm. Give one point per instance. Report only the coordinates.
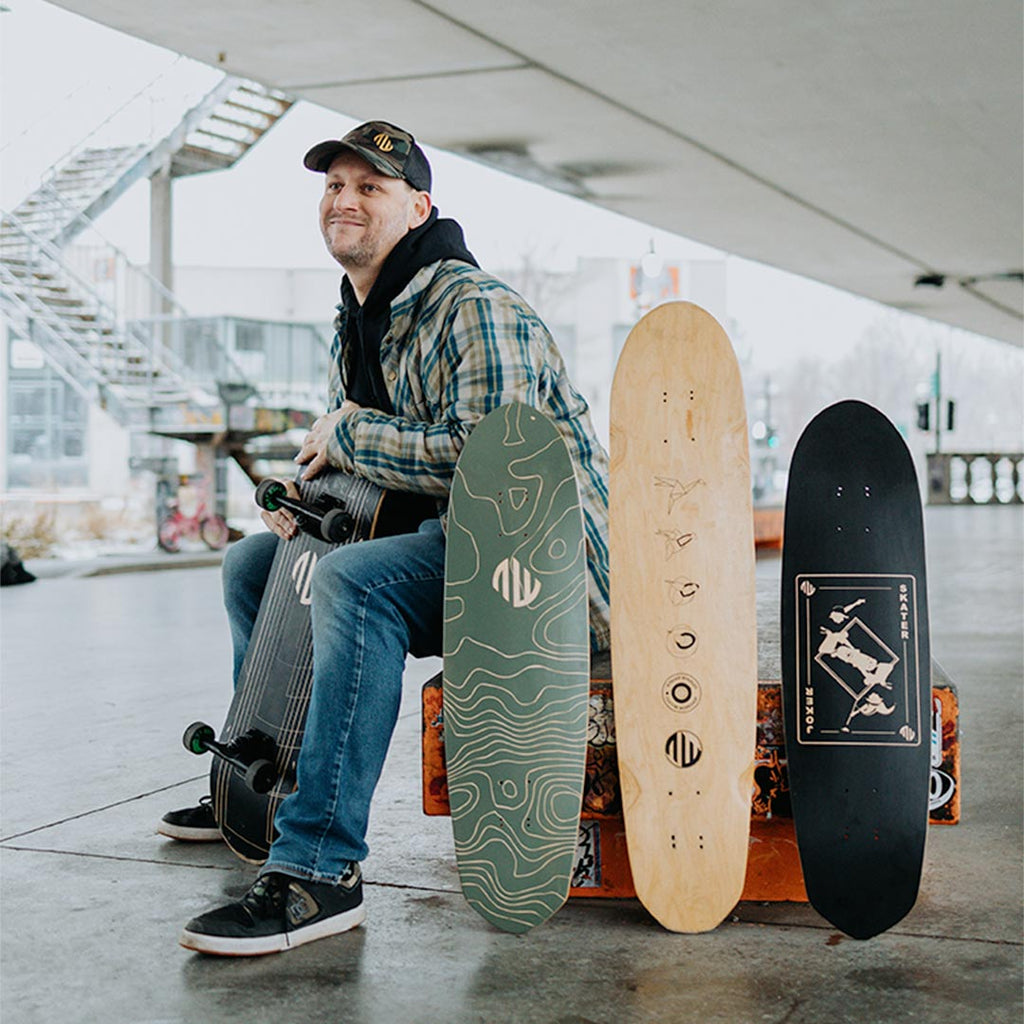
(487, 356)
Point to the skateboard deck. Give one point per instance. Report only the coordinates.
(274, 686)
(516, 667)
(684, 634)
(855, 668)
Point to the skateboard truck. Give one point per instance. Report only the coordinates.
(252, 753)
(323, 518)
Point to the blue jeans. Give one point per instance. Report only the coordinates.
(373, 603)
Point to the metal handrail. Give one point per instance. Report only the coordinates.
(155, 284)
(140, 101)
(163, 360)
(72, 366)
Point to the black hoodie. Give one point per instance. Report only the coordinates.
(367, 324)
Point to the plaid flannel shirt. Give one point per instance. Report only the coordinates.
(460, 344)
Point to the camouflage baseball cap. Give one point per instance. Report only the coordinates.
(389, 149)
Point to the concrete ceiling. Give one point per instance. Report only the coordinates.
(863, 143)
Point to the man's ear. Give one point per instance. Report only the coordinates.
(420, 209)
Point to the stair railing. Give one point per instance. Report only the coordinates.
(158, 296)
(142, 336)
(37, 323)
(145, 115)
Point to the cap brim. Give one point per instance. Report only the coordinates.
(321, 156)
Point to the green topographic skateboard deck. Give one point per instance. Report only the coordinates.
(516, 667)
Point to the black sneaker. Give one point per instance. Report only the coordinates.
(278, 913)
(191, 824)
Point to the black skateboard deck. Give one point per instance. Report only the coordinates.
(267, 714)
(855, 668)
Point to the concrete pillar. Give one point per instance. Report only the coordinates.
(161, 237)
(5, 400)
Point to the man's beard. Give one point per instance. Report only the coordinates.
(352, 254)
(366, 250)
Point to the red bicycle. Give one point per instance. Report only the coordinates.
(187, 518)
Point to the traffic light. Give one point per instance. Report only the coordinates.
(764, 434)
(924, 415)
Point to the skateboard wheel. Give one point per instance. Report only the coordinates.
(197, 736)
(260, 776)
(337, 526)
(268, 494)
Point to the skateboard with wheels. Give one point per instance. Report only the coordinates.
(255, 759)
(684, 632)
(855, 667)
(516, 667)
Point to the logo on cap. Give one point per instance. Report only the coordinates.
(383, 142)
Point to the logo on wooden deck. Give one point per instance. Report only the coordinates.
(857, 668)
(681, 692)
(681, 641)
(676, 488)
(514, 583)
(682, 590)
(683, 749)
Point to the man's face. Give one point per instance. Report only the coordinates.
(363, 214)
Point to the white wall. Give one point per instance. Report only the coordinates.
(299, 296)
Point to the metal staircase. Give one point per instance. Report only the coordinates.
(122, 365)
(217, 132)
(116, 364)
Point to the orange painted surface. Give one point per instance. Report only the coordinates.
(768, 527)
(773, 864)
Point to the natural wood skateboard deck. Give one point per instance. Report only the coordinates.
(855, 667)
(684, 634)
(516, 667)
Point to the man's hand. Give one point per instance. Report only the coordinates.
(313, 452)
(282, 522)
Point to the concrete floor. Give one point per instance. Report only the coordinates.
(101, 673)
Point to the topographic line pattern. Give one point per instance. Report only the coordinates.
(516, 679)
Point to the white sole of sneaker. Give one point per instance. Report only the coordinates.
(189, 835)
(221, 945)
